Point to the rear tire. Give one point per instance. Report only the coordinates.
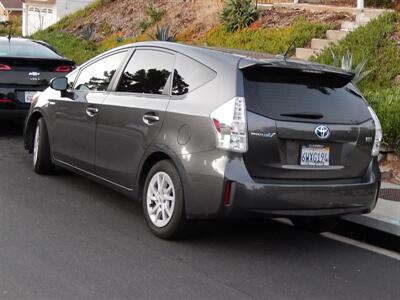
(316, 225)
(42, 163)
(163, 202)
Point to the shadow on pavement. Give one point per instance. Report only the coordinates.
(9, 129)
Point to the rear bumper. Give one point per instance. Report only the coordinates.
(303, 200)
(12, 101)
(15, 115)
(204, 189)
(315, 198)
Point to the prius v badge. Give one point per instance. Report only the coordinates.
(264, 135)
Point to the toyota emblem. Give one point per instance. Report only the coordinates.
(322, 132)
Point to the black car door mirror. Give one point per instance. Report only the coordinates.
(59, 84)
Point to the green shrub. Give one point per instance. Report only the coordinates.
(273, 41)
(238, 14)
(386, 103)
(15, 24)
(154, 16)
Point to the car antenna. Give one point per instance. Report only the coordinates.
(9, 32)
(286, 55)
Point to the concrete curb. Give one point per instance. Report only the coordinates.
(385, 217)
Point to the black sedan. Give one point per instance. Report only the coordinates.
(26, 67)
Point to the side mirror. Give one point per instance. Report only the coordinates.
(59, 84)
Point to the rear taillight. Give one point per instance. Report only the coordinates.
(63, 69)
(230, 125)
(5, 101)
(4, 67)
(378, 133)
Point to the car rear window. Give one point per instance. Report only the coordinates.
(294, 95)
(189, 75)
(29, 49)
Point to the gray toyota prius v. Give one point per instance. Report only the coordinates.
(197, 133)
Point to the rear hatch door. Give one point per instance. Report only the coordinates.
(305, 123)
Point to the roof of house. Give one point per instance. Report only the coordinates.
(12, 4)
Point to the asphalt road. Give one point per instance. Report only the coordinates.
(64, 237)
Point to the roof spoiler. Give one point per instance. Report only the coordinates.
(297, 66)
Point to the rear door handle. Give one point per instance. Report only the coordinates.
(150, 118)
(91, 111)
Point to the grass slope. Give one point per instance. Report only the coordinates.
(271, 40)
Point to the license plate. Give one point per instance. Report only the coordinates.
(314, 155)
(29, 96)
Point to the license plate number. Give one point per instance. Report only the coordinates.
(29, 96)
(314, 156)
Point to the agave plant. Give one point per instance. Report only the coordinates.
(347, 64)
(164, 34)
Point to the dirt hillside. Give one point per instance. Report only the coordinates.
(123, 16)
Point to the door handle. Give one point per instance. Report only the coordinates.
(91, 111)
(150, 118)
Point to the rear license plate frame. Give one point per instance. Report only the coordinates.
(28, 95)
(315, 155)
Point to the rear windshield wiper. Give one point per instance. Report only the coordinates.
(313, 116)
(354, 92)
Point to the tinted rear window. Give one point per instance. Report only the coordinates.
(189, 75)
(297, 96)
(17, 48)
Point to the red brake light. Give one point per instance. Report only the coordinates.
(5, 101)
(217, 125)
(63, 69)
(227, 193)
(4, 67)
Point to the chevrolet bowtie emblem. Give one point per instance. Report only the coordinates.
(34, 74)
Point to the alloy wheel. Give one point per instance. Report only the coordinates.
(36, 142)
(160, 199)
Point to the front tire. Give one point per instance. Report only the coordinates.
(163, 201)
(42, 163)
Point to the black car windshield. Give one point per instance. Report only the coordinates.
(25, 48)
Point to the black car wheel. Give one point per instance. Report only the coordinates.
(42, 163)
(316, 225)
(163, 201)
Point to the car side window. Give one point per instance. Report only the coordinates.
(189, 75)
(97, 76)
(147, 73)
